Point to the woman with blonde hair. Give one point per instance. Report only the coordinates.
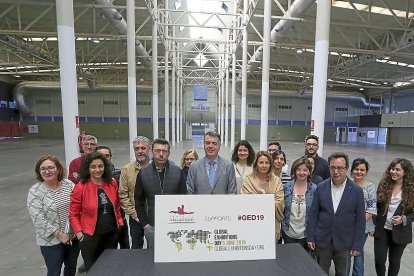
(263, 181)
(189, 157)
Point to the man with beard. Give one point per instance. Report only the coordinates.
(89, 144)
(321, 165)
(127, 181)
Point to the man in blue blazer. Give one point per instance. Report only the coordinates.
(211, 174)
(336, 224)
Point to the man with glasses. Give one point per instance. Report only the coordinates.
(336, 223)
(161, 177)
(89, 145)
(212, 174)
(129, 172)
(311, 149)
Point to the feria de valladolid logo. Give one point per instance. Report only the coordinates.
(181, 215)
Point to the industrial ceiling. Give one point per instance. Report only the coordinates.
(371, 42)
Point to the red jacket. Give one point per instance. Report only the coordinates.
(83, 208)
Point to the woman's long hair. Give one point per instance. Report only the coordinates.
(250, 157)
(385, 186)
(256, 160)
(84, 169)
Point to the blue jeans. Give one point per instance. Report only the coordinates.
(57, 255)
(358, 269)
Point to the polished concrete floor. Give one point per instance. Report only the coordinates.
(19, 254)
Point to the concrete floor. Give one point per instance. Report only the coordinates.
(19, 253)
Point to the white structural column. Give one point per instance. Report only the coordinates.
(226, 108)
(233, 97)
(174, 54)
(155, 72)
(167, 95)
(223, 94)
(132, 79)
(69, 91)
(243, 112)
(177, 117)
(219, 100)
(323, 18)
(267, 12)
(181, 110)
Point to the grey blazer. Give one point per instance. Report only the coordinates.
(225, 179)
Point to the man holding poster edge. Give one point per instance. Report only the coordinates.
(212, 174)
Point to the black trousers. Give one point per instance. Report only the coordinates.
(93, 246)
(383, 246)
(287, 239)
(123, 238)
(137, 234)
(341, 259)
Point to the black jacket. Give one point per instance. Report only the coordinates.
(400, 234)
(148, 184)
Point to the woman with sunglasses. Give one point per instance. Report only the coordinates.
(94, 212)
(48, 204)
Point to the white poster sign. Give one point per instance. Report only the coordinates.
(371, 134)
(194, 228)
(33, 128)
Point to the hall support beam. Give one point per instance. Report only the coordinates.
(323, 18)
(68, 83)
(132, 79)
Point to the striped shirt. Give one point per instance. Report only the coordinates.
(61, 198)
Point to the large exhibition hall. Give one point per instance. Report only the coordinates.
(314, 77)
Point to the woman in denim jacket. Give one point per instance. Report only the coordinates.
(298, 200)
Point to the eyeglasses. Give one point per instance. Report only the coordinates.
(311, 145)
(89, 144)
(339, 169)
(158, 151)
(47, 169)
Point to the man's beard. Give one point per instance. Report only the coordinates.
(142, 158)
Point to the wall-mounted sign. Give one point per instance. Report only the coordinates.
(371, 134)
(194, 228)
(33, 128)
(200, 92)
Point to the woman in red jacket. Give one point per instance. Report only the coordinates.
(94, 211)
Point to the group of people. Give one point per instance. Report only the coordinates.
(317, 204)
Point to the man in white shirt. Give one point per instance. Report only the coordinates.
(336, 223)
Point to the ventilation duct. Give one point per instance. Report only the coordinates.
(23, 92)
(280, 30)
(118, 22)
(355, 97)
